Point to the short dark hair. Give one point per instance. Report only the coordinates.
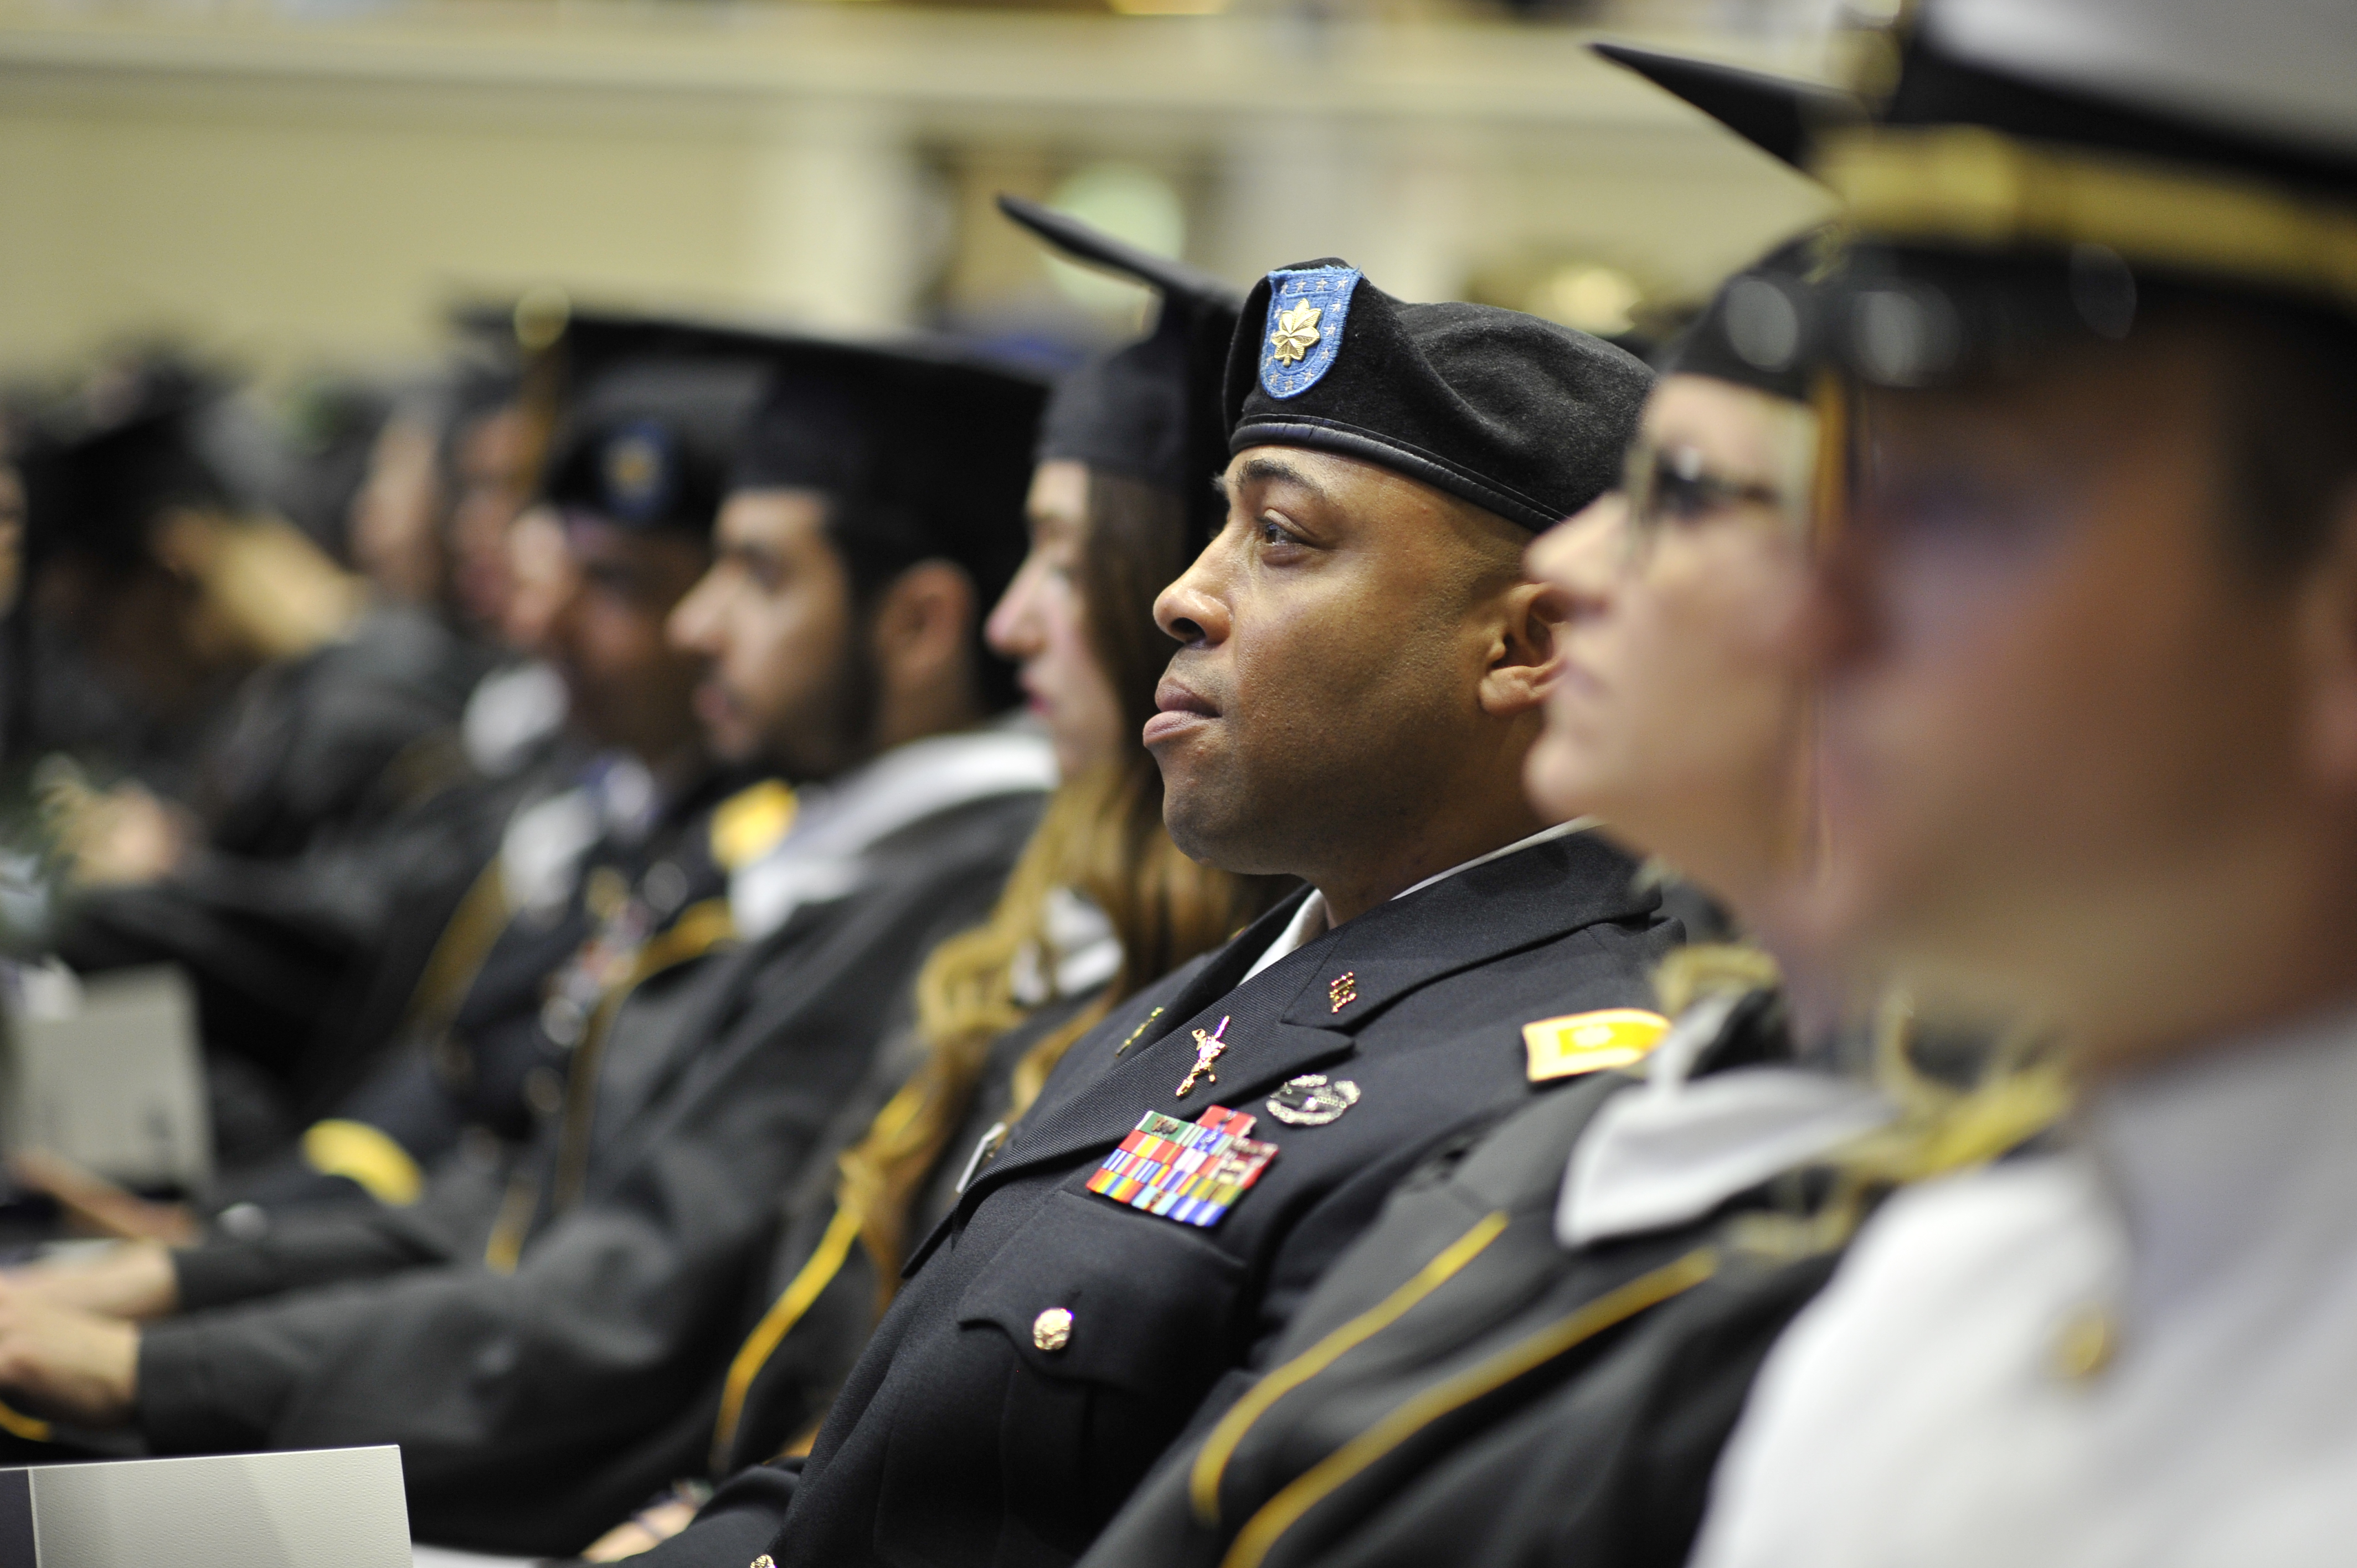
(874, 554)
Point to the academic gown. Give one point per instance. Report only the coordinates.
(335, 799)
(503, 1387)
(471, 1062)
(972, 1430)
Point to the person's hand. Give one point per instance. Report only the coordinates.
(642, 1531)
(122, 836)
(66, 1364)
(133, 1281)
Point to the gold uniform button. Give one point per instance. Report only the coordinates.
(1052, 1329)
(763, 1561)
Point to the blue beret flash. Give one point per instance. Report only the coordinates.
(1307, 311)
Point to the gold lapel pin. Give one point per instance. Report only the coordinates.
(1343, 989)
(1209, 1049)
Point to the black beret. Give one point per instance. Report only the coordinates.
(1148, 411)
(1517, 415)
(1760, 326)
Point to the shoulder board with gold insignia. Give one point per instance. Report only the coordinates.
(1591, 1042)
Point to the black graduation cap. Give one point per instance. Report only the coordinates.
(923, 448)
(99, 473)
(1516, 414)
(651, 411)
(1150, 410)
(1779, 114)
(2038, 172)
(1761, 325)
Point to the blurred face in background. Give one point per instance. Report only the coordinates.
(1041, 625)
(604, 633)
(773, 624)
(395, 536)
(491, 459)
(2079, 754)
(1678, 716)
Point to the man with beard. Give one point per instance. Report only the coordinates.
(876, 507)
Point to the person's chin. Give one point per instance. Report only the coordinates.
(1556, 780)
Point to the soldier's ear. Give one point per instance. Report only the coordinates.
(2325, 617)
(1522, 662)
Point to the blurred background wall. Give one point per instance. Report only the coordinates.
(287, 187)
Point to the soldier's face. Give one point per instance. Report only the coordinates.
(773, 621)
(1326, 694)
(1677, 716)
(2069, 741)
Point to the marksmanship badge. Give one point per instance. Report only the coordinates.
(1307, 312)
(1192, 1172)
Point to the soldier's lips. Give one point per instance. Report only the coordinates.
(1182, 711)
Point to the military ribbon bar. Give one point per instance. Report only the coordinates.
(1192, 1172)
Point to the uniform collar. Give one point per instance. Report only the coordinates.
(1309, 923)
(2235, 1162)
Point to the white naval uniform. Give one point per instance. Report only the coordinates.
(1917, 1413)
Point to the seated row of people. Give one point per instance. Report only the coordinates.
(1325, 1151)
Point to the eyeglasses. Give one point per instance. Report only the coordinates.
(1674, 486)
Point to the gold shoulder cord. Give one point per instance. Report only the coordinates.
(18, 1424)
(459, 952)
(1282, 1513)
(699, 930)
(810, 1282)
(1211, 1461)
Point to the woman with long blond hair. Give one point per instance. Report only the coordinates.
(1100, 904)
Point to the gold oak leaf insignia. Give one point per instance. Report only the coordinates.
(1296, 330)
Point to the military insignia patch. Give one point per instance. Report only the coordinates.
(1591, 1042)
(1192, 1172)
(1312, 1099)
(1306, 313)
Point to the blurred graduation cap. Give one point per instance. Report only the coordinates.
(1780, 115)
(650, 414)
(923, 448)
(1149, 411)
(101, 470)
(2040, 168)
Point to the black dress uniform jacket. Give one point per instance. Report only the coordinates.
(1462, 1389)
(962, 1438)
(792, 1378)
(512, 1394)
